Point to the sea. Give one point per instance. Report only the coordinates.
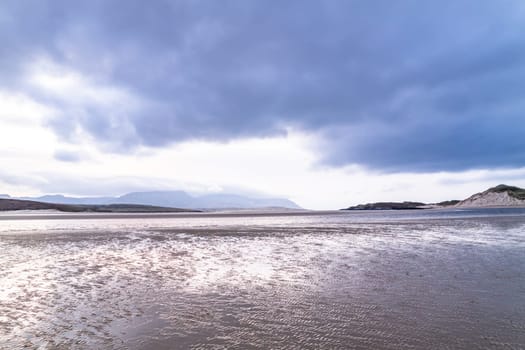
(420, 279)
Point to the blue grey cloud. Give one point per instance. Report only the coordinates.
(392, 85)
(67, 156)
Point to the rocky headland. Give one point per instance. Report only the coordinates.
(499, 196)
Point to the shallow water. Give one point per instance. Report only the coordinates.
(380, 280)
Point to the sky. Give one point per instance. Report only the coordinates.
(328, 103)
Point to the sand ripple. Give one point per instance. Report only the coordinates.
(455, 284)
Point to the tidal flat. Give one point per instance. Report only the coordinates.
(436, 279)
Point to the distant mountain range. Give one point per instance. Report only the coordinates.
(171, 199)
(499, 196)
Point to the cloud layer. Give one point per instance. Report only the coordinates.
(390, 85)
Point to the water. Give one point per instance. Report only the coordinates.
(439, 279)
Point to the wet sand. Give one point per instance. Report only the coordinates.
(338, 281)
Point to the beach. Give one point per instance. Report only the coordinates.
(338, 280)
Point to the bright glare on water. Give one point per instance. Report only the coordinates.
(358, 280)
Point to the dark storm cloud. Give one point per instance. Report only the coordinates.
(392, 85)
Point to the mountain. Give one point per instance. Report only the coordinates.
(163, 198)
(236, 201)
(58, 198)
(174, 199)
(501, 195)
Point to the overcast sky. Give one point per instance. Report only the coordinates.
(328, 103)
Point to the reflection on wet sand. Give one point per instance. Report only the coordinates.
(296, 283)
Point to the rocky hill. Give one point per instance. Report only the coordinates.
(501, 195)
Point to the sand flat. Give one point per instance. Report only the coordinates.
(378, 280)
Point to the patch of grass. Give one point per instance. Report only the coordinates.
(448, 203)
(513, 191)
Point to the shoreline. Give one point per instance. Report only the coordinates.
(57, 215)
(185, 215)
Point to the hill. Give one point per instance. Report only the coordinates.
(501, 195)
(388, 206)
(17, 204)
